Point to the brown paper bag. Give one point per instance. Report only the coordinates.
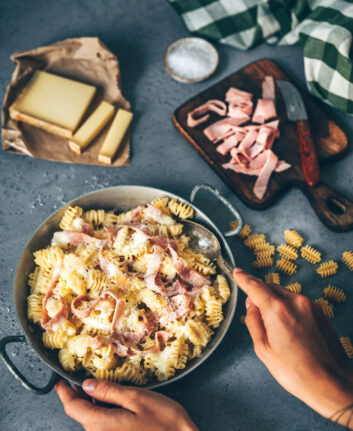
(85, 59)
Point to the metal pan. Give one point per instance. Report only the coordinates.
(121, 198)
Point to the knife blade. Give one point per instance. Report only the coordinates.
(296, 112)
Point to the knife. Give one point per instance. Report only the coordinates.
(296, 112)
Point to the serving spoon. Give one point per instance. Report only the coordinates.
(205, 242)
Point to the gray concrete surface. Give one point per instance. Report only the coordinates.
(232, 390)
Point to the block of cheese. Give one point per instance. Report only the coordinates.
(91, 127)
(53, 103)
(115, 136)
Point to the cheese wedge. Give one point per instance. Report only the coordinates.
(53, 103)
(91, 127)
(115, 136)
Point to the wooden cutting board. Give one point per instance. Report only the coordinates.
(335, 210)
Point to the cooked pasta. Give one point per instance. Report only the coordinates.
(286, 266)
(272, 278)
(69, 216)
(67, 359)
(335, 294)
(293, 238)
(347, 258)
(123, 296)
(348, 346)
(287, 251)
(181, 209)
(222, 288)
(294, 287)
(310, 254)
(95, 217)
(327, 269)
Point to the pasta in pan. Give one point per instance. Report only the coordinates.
(123, 296)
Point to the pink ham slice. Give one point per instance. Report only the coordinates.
(268, 88)
(254, 166)
(271, 124)
(241, 116)
(188, 275)
(265, 139)
(265, 109)
(282, 166)
(222, 129)
(230, 142)
(200, 114)
(245, 106)
(124, 348)
(54, 278)
(234, 93)
(81, 313)
(245, 146)
(265, 174)
(179, 307)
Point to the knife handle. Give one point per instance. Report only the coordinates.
(310, 164)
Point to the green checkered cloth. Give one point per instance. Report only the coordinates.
(322, 27)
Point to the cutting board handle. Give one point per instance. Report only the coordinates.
(334, 209)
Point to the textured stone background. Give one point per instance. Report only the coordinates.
(232, 390)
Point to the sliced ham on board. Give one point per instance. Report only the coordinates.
(268, 88)
(265, 110)
(201, 114)
(230, 142)
(249, 143)
(222, 129)
(235, 93)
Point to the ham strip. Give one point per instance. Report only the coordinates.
(62, 314)
(189, 275)
(282, 166)
(239, 115)
(265, 174)
(268, 88)
(244, 146)
(54, 278)
(235, 93)
(180, 306)
(244, 105)
(82, 313)
(222, 129)
(264, 141)
(152, 277)
(107, 266)
(66, 238)
(124, 349)
(230, 142)
(265, 109)
(200, 114)
(157, 215)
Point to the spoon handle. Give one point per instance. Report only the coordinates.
(226, 267)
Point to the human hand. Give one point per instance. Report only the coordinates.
(136, 408)
(299, 346)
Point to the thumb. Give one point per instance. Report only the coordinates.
(113, 393)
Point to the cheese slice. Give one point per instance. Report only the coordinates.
(91, 127)
(53, 103)
(115, 136)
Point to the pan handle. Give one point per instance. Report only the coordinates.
(224, 201)
(19, 376)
